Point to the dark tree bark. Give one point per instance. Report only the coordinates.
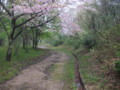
(9, 51)
(33, 44)
(23, 44)
(25, 40)
(35, 38)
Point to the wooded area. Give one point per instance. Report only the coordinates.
(24, 20)
(90, 29)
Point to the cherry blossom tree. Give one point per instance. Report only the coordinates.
(68, 17)
(22, 14)
(70, 27)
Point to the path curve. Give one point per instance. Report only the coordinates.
(38, 77)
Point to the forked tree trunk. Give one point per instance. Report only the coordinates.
(9, 52)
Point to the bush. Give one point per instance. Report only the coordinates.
(89, 42)
(117, 68)
(76, 46)
(58, 42)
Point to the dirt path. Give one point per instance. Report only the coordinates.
(41, 76)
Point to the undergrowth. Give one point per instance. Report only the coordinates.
(18, 62)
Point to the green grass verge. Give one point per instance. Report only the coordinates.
(23, 59)
(86, 70)
(69, 75)
(88, 74)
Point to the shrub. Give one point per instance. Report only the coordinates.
(58, 42)
(117, 68)
(89, 42)
(77, 46)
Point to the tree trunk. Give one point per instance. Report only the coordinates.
(33, 44)
(26, 46)
(36, 40)
(23, 41)
(23, 44)
(36, 44)
(9, 52)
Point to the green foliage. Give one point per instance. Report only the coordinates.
(7, 23)
(89, 41)
(58, 42)
(74, 41)
(118, 54)
(103, 33)
(46, 35)
(1, 41)
(117, 68)
(86, 40)
(86, 70)
(2, 35)
(10, 69)
(69, 74)
(2, 38)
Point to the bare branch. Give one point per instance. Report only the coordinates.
(32, 17)
(25, 22)
(44, 22)
(5, 8)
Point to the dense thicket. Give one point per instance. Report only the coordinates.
(102, 26)
(101, 36)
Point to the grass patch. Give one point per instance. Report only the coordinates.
(69, 75)
(88, 74)
(18, 62)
